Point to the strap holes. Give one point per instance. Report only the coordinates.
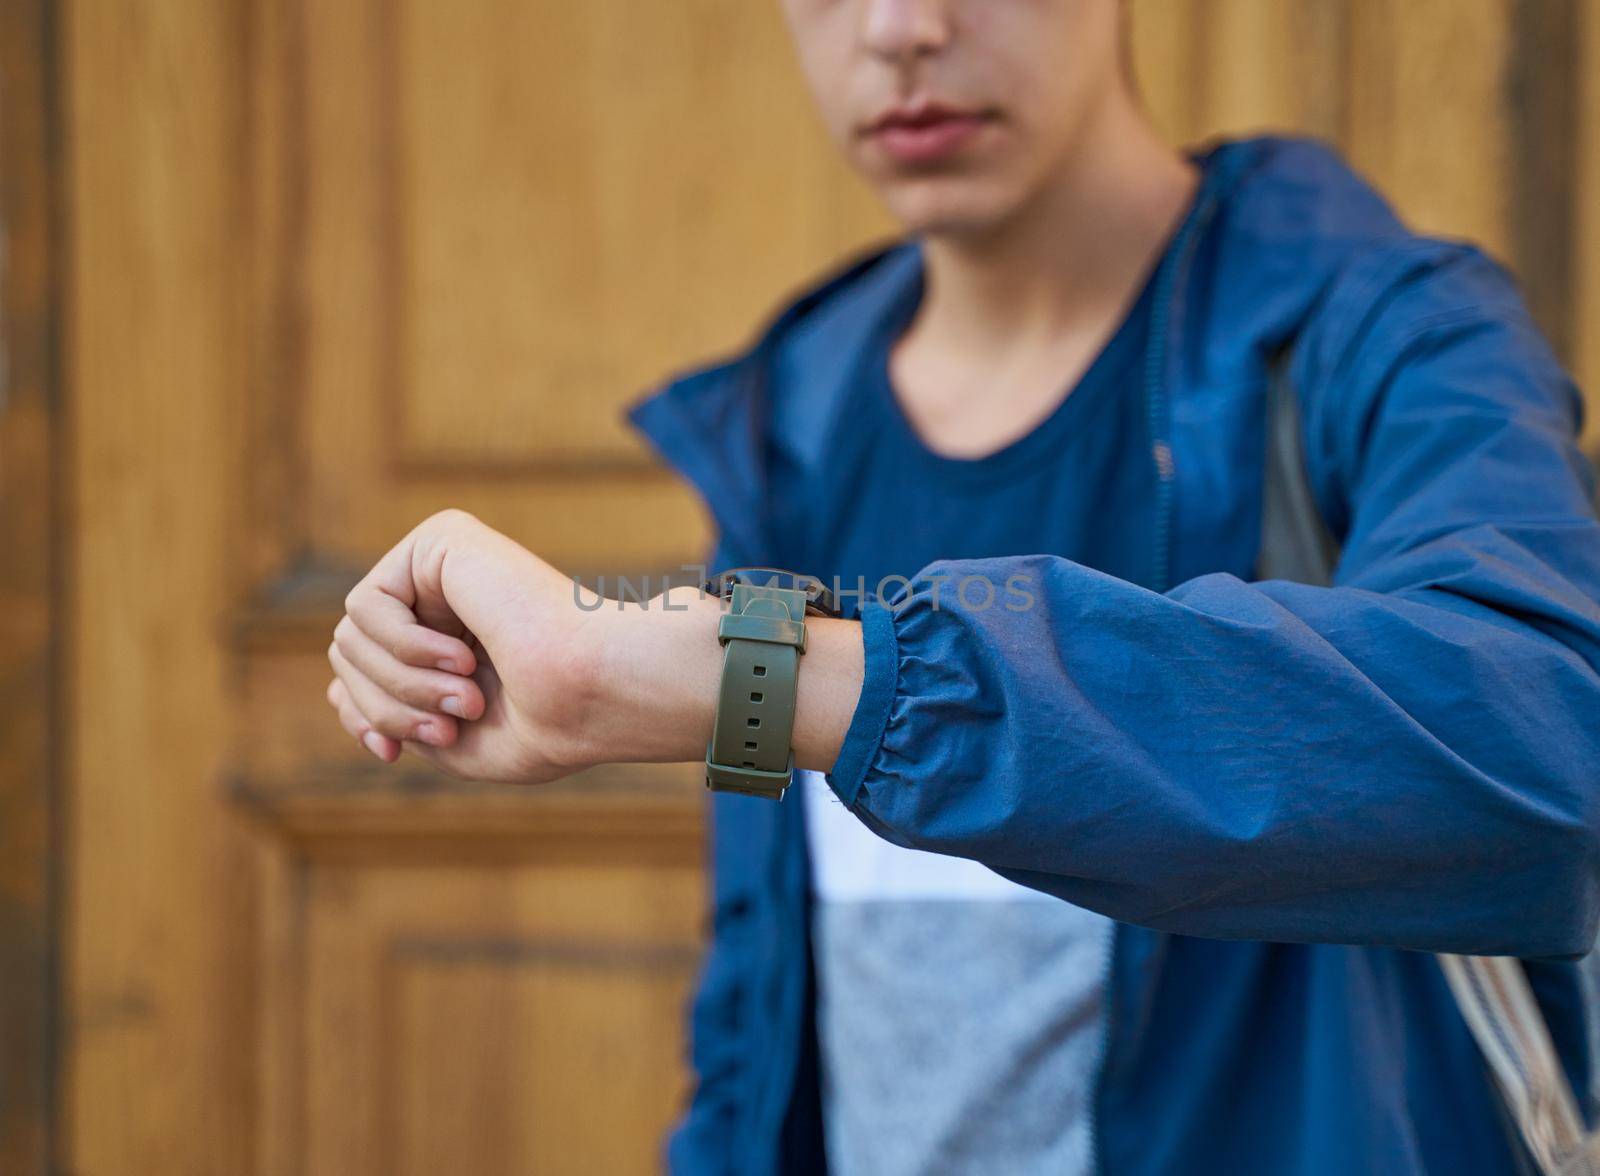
(749, 745)
(752, 722)
(756, 696)
(748, 764)
(761, 671)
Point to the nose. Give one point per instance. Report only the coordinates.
(903, 30)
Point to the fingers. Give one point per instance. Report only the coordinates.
(424, 689)
(391, 623)
(386, 749)
(356, 724)
(406, 670)
(387, 715)
(409, 575)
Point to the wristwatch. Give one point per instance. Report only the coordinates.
(763, 634)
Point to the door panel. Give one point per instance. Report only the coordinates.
(516, 219)
(506, 1018)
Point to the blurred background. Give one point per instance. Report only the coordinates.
(280, 278)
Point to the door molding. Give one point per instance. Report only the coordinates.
(32, 572)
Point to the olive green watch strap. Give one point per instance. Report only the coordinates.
(763, 634)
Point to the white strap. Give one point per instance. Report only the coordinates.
(1499, 1006)
(1492, 991)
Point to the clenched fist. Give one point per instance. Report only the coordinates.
(477, 655)
(466, 648)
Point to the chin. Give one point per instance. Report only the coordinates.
(948, 205)
(948, 208)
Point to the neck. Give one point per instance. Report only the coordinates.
(1076, 253)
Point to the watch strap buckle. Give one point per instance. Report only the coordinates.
(749, 781)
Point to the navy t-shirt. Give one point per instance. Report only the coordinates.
(960, 1015)
(888, 505)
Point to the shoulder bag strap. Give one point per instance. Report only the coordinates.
(1492, 991)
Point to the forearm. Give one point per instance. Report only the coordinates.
(658, 667)
(1263, 761)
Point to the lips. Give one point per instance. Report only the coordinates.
(926, 132)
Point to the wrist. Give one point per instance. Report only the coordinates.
(831, 674)
(654, 675)
(655, 672)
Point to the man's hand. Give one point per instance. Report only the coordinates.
(480, 657)
(474, 653)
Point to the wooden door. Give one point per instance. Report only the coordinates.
(338, 266)
(329, 267)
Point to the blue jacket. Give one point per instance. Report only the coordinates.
(1286, 795)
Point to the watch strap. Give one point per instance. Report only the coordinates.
(763, 634)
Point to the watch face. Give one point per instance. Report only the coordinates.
(818, 597)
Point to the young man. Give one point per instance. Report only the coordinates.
(1128, 862)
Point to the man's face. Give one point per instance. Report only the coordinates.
(957, 111)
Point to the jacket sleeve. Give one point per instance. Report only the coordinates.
(1408, 758)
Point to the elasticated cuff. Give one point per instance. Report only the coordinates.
(872, 710)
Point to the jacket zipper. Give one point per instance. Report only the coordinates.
(1157, 416)
(1158, 407)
